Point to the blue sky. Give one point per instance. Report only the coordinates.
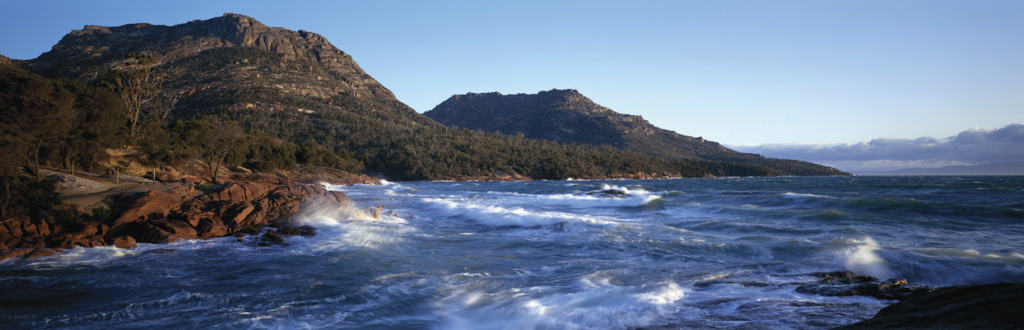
(737, 72)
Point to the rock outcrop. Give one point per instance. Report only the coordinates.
(94, 48)
(166, 216)
(989, 306)
(850, 284)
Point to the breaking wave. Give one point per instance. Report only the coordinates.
(862, 258)
(513, 216)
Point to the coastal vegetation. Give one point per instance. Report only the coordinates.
(147, 100)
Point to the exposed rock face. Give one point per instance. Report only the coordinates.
(50, 232)
(230, 63)
(850, 284)
(94, 48)
(567, 116)
(235, 208)
(990, 306)
(157, 216)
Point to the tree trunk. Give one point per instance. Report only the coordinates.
(209, 166)
(216, 168)
(135, 120)
(35, 164)
(7, 197)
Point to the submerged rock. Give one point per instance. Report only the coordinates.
(272, 237)
(290, 230)
(610, 192)
(989, 306)
(850, 284)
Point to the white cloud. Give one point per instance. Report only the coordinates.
(969, 147)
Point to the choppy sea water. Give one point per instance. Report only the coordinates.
(550, 255)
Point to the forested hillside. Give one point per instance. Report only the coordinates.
(280, 99)
(567, 116)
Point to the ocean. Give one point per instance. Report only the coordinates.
(691, 253)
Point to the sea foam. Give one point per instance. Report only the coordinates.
(589, 305)
(347, 227)
(862, 258)
(505, 216)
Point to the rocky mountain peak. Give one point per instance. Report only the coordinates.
(87, 53)
(562, 92)
(239, 29)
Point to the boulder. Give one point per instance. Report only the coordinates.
(272, 237)
(209, 228)
(125, 242)
(290, 230)
(338, 197)
(850, 284)
(150, 203)
(180, 231)
(988, 306)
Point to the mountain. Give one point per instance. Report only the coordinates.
(567, 116)
(996, 168)
(299, 100)
(220, 55)
(302, 101)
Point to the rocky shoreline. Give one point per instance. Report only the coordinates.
(266, 207)
(986, 306)
(174, 213)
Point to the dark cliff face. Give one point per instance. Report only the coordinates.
(567, 116)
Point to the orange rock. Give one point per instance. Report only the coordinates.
(151, 202)
(40, 253)
(158, 216)
(212, 228)
(14, 253)
(125, 242)
(29, 229)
